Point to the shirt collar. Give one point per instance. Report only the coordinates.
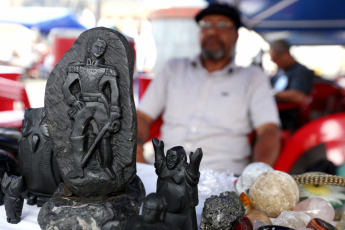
(228, 69)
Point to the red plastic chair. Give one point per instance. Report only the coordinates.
(328, 130)
(11, 92)
(326, 98)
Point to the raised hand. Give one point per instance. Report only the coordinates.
(158, 147)
(114, 126)
(195, 159)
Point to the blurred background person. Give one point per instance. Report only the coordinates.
(210, 102)
(292, 82)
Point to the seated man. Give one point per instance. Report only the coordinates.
(211, 103)
(292, 83)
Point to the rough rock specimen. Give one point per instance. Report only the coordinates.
(221, 212)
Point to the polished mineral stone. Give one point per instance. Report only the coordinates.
(292, 219)
(249, 174)
(258, 215)
(319, 224)
(274, 192)
(316, 208)
(243, 224)
(221, 212)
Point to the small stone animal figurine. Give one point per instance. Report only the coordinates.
(13, 186)
(178, 182)
(153, 215)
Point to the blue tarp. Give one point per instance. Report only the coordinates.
(302, 22)
(42, 18)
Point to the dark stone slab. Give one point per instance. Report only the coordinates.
(89, 103)
(112, 213)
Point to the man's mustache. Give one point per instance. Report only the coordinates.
(205, 41)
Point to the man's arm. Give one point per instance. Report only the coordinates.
(144, 123)
(267, 145)
(291, 95)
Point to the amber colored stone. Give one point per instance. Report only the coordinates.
(319, 224)
(245, 199)
(247, 204)
(243, 224)
(255, 214)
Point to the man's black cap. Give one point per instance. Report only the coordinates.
(222, 9)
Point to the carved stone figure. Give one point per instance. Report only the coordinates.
(37, 162)
(13, 187)
(153, 215)
(91, 121)
(91, 114)
(177, 182)
(9, 165)
(92, 106)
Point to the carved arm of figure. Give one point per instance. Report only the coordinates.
(71, 99)
(193, 175)
(158, 147)
(114, 107)
(195, 159)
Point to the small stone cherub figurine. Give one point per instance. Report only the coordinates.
(178, 183)
(153, 214)
(13, 187)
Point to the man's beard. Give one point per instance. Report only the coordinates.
(213, 55)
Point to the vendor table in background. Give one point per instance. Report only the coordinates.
(219, 182)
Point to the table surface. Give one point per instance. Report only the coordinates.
(219, 182)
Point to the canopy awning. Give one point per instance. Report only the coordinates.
(42, 18)
(302, 22)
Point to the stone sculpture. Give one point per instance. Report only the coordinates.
(37, 162)
(91, 120)
(177, 181)
(13, 187)
(153, 215)
(9, 165)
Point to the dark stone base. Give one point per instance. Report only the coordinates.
(112, 213)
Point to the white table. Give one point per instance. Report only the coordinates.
(210, 184)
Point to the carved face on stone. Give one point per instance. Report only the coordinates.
(174, 156)
(171, 159)
(98, 47)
